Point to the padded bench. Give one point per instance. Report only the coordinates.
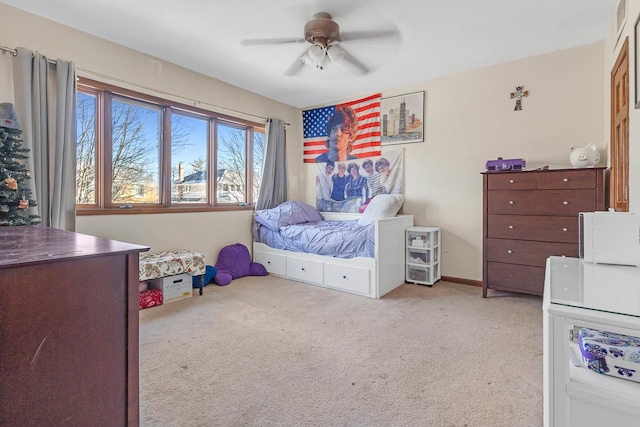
(170, 263)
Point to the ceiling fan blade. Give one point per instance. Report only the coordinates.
(253, 42)
(362, 35)
(355, 66)
(294, 68)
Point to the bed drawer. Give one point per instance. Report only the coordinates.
(274, 263)
(305, 270)
(350, 279)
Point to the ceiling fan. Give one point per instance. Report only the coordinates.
(323, 33)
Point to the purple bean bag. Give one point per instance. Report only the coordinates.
(234, 262)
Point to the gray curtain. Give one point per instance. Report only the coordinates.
(45, 99)
(274, 188)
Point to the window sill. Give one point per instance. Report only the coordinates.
(82, 211)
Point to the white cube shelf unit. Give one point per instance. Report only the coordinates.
(423, 255)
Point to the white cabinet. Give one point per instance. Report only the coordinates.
(595, 296)
(423, 255)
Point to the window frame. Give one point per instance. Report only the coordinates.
(104, 93)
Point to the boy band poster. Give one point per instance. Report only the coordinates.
(349, 185)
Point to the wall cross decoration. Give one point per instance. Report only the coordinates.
(518, 94)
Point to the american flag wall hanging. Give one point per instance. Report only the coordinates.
(363, 133)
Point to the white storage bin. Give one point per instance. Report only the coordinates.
(422, 255)
(174, 288)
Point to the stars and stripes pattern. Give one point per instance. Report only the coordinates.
(367, 143)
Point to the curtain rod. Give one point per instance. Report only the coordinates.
(14, 52)
(194, 101)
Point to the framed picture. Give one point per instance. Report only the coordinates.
(636, 35)
(402, 119)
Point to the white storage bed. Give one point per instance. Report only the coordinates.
(372, 277)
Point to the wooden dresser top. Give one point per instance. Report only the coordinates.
(539, 170)
(40, 244)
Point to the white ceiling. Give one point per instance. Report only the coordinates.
(437, 37)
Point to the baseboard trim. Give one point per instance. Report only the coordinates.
(462, 281)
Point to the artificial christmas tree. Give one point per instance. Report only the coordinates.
(15, 196)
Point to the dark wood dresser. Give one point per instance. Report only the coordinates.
(529, 216)
(68, 329)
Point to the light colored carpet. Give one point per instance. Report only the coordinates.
(265, 351)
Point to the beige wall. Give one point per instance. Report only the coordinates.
(469, 119)
(205, 232)
(613, 44)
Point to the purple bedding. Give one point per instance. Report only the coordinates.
(298, 227)
(340, 239)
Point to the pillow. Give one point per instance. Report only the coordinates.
(209, 274)
(287, 213)
(381, 206)
(234, 261)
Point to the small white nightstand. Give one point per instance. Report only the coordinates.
(423, 255)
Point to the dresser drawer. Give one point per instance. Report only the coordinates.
(515, 278)
(512, 181)
(541, 202)
(567, 179)
(527, 252)
(526, 227)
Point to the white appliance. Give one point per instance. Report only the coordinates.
(609, 237)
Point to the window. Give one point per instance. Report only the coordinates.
(189, 142)
(141, 154)
(135, 151)
(231, 158)
(86, 107)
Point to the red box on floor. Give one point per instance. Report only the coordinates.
(150, 298)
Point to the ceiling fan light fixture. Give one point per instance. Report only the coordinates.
(335, 53)
(316, 52)
(306, 59)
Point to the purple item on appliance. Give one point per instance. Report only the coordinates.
(610, 353)
(505, 165)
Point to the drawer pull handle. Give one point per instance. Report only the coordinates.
(565, 203)
(302, 268)
(510, 181)
(564, 229)
(268, 262)
(511, 227)
(565, 180)
(510, 202)
(344, 277)
(509, 251)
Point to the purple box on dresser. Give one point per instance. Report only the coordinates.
(505, 165)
